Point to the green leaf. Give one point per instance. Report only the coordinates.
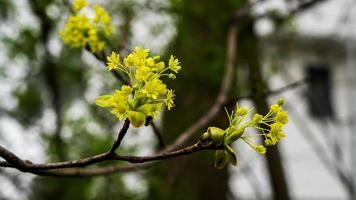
(103, 101)
(221, 159)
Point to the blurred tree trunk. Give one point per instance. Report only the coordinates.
(249, 55)
(200, 45)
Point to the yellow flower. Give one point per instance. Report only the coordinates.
(282, 117)
(257, 118)
(73, 32)
(129, 61)
(152, 110)
(275, 108)
(113, 61)
(150, 62)
(82, 31)
(94, 41)
(276, 133)
(102, 18)
(143, 73)
(170, 99)
(174, 64)
(154, 88)
(120, 104)
(79, 4)
(242, 111)
(148, 93)
(141, 53)
(126, 89)
(118, 101)
(137, 58)
(159, 66)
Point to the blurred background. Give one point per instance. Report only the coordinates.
(303, 50)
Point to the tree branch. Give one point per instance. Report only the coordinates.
(12, 161)
(121, 136)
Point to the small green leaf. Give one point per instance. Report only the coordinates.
(103, 101)
(221, 159)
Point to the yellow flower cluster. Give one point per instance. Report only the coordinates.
(82, 31)
(270, 125)
(148, 93)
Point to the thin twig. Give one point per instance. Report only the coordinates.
(120, 136)
(12, 161)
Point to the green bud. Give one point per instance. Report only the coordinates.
(268, 142)
(257, 118)
(217, 135)
(242, 111)
(280, 101)
(137, 119)
(260, 149)
(160, 66)
(205, 139)
(156, 58)
(172, 76)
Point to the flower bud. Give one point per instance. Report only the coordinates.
(260, 149)
(275, 108)
(268, 142)
(172, 76)
(282, 117)
(280, 101)
(257, 118)
(205, 139)
(242, 111)
(217, 135)
(137, 119)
